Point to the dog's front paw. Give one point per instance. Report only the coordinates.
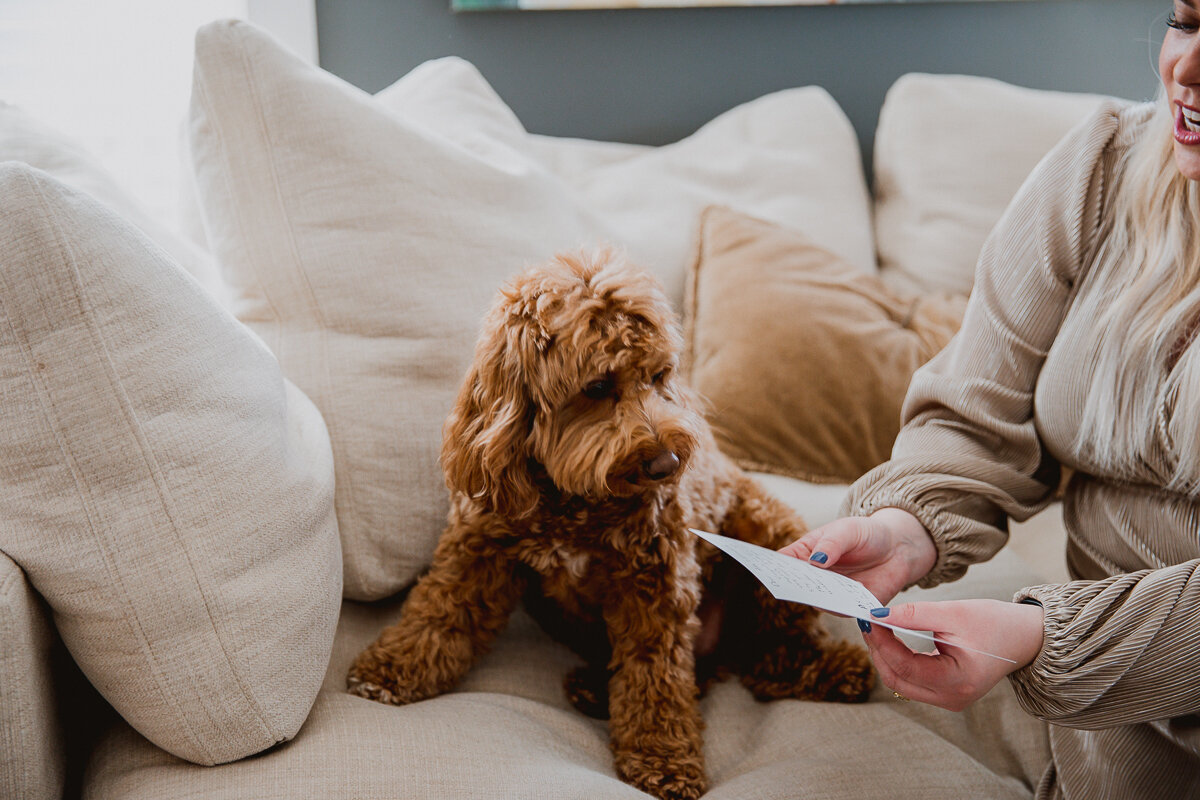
(587, 690)
(666, 777)
(375, 686)
(379, 680)
(369, 690)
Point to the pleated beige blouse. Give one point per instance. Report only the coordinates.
(987, 423)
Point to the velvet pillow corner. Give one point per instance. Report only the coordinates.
(803, 359)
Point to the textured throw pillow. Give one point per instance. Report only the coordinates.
(803, 359)
(161, 485)
(364, 237)
(950, 153)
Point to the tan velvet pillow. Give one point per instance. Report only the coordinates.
(803, 358)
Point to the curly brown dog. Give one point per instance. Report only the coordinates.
(577, 460)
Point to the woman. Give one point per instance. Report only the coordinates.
(1075, 350)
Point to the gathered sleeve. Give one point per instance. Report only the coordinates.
(969, 455)
(1116, 651)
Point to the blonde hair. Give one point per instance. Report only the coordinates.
(1149, 271)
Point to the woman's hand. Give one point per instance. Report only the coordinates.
(953, 678)
(885, 552)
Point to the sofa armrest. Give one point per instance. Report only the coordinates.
(32, 741)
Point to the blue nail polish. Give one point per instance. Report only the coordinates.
(818, 557)
(864, 626)
(880, 612)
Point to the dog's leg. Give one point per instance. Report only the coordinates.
(794, 656)
(761, 518)
(448, 621)
(586, 686)
(790, 653)
(655, 724)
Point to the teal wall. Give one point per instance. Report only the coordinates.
(655, 75)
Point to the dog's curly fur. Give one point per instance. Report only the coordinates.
(576, 461)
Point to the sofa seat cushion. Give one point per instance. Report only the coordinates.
(508, 731)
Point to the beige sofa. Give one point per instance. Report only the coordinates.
(216, 481)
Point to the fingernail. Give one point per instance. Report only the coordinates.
(880, 612)
(864, 626)
(818, 557)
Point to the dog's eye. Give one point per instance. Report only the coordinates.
(600, 389)
(659, 377)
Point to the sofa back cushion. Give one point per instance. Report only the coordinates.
(162, 486)
(789, 157)
(950, 153)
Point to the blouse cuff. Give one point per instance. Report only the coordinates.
(1034, 683)
(959, 540)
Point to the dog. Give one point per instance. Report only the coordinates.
(577, 460)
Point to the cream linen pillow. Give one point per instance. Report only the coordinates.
(950, 153)
(364, 249)
(804, 360)
(364, 238)
(162, 486)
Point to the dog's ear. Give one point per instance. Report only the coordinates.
(485, 439)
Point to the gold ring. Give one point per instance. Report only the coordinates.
(899, 696)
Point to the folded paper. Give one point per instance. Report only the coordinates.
(791, 579)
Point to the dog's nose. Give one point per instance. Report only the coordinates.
(662, 465)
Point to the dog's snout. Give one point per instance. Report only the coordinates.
(662, 465)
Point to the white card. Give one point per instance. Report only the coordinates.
(794, 580)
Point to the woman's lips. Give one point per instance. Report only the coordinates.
(1183, 134)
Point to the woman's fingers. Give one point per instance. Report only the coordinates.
(955, 676)
(925, 677)
(903, 665)
(803, 547)
(1011, 630)
(933, 616)
(826, 545)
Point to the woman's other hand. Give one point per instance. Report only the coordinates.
(952, 677)
(886, 551)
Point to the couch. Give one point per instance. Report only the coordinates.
(218, 466)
